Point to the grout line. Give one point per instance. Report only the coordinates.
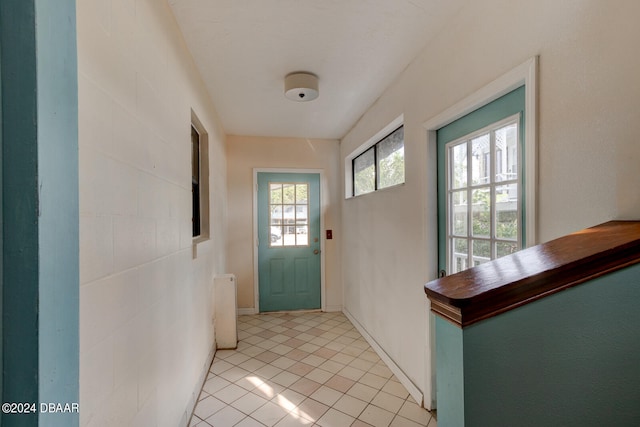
(351, 345)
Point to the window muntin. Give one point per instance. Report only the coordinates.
(380, 166)
(288, 214)
(364, 173)
(483, 200)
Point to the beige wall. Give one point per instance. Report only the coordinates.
(144, 299)
(588, 152)
(244, 153)
(146, 330)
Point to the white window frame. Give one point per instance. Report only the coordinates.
(205, 232)
(492, 239)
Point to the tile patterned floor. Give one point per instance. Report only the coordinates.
(303, 369)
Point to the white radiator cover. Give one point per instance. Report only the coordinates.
(226, 312)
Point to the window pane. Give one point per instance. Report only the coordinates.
(481, 252)
(364, 174)
(302, 191)
(276, 214)
(301, 214)
(289, 215)
(460, 212)
(288, 193)
(276, 236)
(480, 160)
(507, 152)
(195, 209)
(391, 159)
(195, 156)
(507, 211)
(505, 248)
(275, 193)
(302, 239)
(458, 165)
(481, 212)
(289, 232)
(460, 248)
(195, 183)
(499, 164)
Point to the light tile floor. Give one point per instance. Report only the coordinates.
(303, 369)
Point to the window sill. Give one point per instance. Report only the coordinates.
(200, 239)
(195, 243)
(376, 191)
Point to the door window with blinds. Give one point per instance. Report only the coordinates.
(483, 195)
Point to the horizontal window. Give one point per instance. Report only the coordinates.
(380, 166)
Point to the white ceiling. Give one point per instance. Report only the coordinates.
(244, 49)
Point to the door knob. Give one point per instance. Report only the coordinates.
(316, 252)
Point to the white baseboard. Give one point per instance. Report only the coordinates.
(191, 406)
(249, 311)
(406, 382)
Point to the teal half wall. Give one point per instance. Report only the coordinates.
(570, 359)
(40, 264)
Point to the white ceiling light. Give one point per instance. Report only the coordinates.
(301, 87)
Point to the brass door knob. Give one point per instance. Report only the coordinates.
(316, 252)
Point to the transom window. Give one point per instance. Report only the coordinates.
(289, 214)
(483, 200)
(380, 166)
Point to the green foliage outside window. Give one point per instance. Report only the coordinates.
(392, 169)
(288, 194)
(381, 165)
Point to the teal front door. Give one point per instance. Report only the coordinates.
(288, 241)
(481, 185)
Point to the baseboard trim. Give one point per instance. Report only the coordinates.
(191, 406)
(328, 309)
(404, 379)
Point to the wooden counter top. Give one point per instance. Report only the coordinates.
(533, 273)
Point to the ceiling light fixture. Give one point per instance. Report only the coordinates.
(301, 86)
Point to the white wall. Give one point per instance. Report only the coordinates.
(146, 329)
(245, 153)
(588, 152)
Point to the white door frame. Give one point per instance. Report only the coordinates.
(524, 74)
(323, 206)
